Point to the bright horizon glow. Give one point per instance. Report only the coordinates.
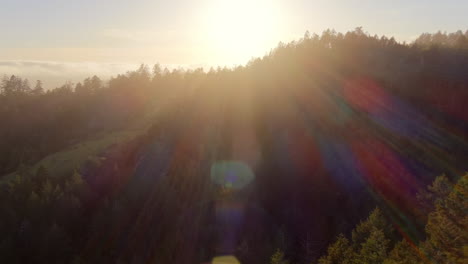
(50, 39)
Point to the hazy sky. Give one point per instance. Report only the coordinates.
(58, 40)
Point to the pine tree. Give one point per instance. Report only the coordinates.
(374, 250)
(338, 253)
(404, 253)
(38, 89)
(370, 243)
(41, 175)
(447, 226)
(278, 258)
(376, 220)
(439, 189)
(47, 190)
(34, 199)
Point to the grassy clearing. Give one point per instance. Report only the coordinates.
(65, 161)
(75, 156)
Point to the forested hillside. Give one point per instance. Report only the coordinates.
(374, 240)
(283, 160)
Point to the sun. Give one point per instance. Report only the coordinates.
(238, 30)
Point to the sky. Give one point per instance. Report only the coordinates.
(65, 40)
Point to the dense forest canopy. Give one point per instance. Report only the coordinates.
(277, 161)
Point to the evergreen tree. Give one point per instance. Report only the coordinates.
(339, 252)
(370, 243)
(374, 250)
(404, 253)
(38, 89)
(278, 258)
(447, 226)
(41, 175)
(14, 86)
(438, 190)
(362, 232)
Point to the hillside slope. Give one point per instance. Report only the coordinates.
(284, 153)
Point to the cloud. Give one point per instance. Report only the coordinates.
(54, 74)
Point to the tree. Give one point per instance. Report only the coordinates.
(75, 184)
(14, 85)
(374, 250)
(41, 175)
(89, 86)
(157, 71)
(437, 191)
(38, 89)
(447, 226)
(76, 179)
(370, 243)
(79, 89)
(278, 258)
(404, 253)
(96, 83)
(376, 220)
(339, 252)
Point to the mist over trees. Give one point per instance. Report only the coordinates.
(327, 128)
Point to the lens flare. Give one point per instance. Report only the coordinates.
(231, 174)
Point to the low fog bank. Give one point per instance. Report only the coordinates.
(54, 74)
